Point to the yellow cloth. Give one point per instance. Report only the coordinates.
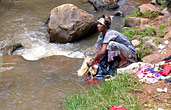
(84, 70)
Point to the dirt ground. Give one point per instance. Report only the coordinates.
(153, 100)
(149, 97)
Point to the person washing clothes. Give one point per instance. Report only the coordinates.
(111, 46)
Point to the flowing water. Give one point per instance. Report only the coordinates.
(42, 74)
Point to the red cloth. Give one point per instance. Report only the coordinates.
(119, 107)
(166, 70)
(167, 60)
(89, 80)
(95, 63)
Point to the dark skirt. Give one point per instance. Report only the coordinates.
(107, 68)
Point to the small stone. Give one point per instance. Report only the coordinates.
(166, 42)
(135, 42)
(161, 46)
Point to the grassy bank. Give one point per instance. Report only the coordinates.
(145, 32)
(114, 92)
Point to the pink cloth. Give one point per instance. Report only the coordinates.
(146, 76)
(119, 107)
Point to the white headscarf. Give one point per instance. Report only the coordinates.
(102, 20)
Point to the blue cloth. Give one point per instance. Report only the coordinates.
(107, 68)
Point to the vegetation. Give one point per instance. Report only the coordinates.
(130, 32)
(147, 32)
(114, 92)
(151, 14)
(143, 52)
(118, 91)
(147, 14)
(161, 32)
(157, 41)
(165, 3)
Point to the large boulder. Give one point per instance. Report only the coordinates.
(136, 21)
(104, 4)
(69, 23)
(148, 7)
(157, 56)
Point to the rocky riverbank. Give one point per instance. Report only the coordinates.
(150, 32)
(155, 20)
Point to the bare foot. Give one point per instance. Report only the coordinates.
(123, 62)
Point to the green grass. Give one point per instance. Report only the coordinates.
(114, 92)
(161, 32)
(157, 41)
(151, 14)
(143, 52)
(130, 32)
(147, 32)
(147, 14)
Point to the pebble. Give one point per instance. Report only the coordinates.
(161, 46)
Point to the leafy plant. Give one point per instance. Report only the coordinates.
(157, 41)
(143, 52)
(147, 14)
(149, 32)
(150, 14)
(161, 32)
(130, 32)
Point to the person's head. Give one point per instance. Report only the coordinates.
(103, 22)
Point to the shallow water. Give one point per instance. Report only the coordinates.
(42, 74)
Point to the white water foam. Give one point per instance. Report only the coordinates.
(41, 50)
(2, 69)
(37, 46)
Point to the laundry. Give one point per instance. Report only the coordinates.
(153, 73)
(89, 80)
(132, 68)
(119, 107)
(166, 70)
(84, 70)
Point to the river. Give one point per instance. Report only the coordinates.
(42, 74)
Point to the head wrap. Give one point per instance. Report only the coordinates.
(106, 21)
(101, 20)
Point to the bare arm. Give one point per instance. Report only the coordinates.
(98, 55)
(101, 53)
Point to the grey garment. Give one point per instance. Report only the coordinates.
(115, 46)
